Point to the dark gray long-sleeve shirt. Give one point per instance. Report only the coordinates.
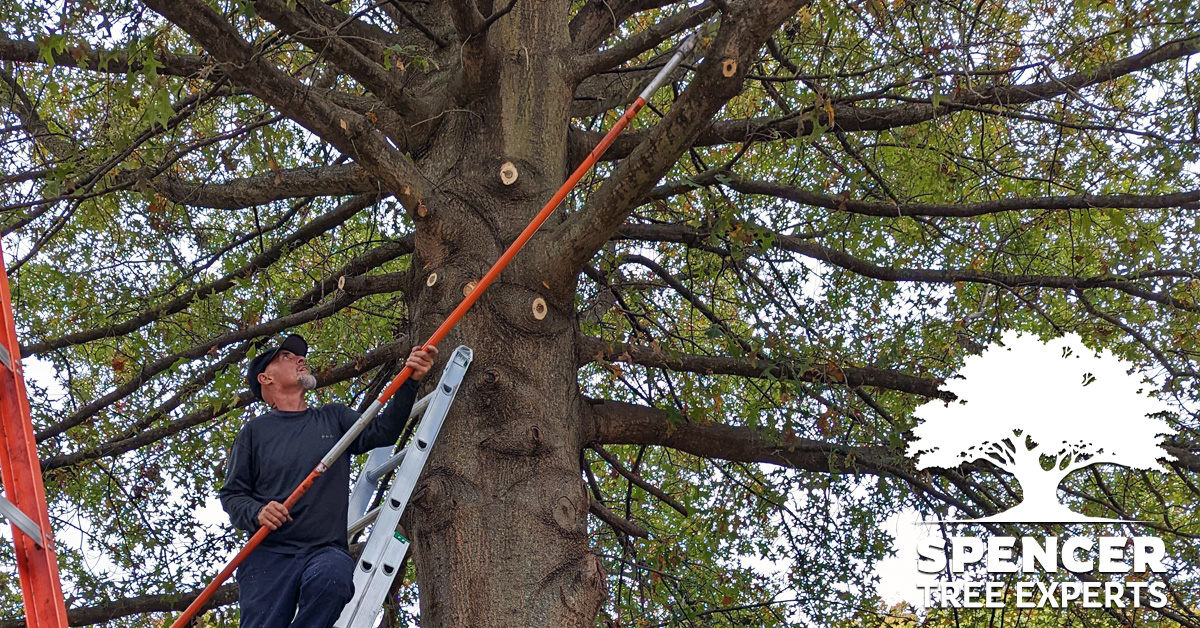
(276, 451)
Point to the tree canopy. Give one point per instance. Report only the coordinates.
(800, 239)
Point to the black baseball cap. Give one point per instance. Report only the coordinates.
(294, 343)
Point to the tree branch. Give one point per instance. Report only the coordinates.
(162, 603)
(619, 423)
(851, 118)
(640, 42)
(323, 37)
(399, 8)
(689, 235)
(467, 18)
(597, 19)
(316, 227)
(1183, 200)
(193, 66)
(84, 187)
(581, 234)
(499, 13)
(599, 93)
(596, 507)
(371, 259)
(691, 297)
(13, 96)
(1113, 320)
(348, 131)
(476, 56)
(638, 480)
(260, 189)
(592, 349)
(360, 287)
(383, 354)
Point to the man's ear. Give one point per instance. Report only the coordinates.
(263, 378)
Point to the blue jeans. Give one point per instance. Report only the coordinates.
(271, 584)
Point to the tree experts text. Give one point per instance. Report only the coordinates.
(1096, 561)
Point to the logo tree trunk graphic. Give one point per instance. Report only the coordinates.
(1076, 409)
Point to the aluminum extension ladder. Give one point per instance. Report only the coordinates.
(385, 549)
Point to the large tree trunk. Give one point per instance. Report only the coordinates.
(500, 537)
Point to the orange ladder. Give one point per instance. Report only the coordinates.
(25, 506)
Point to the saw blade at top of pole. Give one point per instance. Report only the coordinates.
(685, 48)
(338, 449)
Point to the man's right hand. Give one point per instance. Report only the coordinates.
(273, 515)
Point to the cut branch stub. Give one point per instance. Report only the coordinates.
(508, 173)
(539, 308)
(431, 280)
(467, 289)
(729, 67)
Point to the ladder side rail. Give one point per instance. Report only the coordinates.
(20, 470)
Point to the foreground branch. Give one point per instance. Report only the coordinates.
(608, 516)
(373, 258)
(347, 130)
(619, 423)
(353, 290)
(381, 355)
(638, 480)
(643, 41)
(592, 349)
(718, 79)
(322, 34)
(163, 603)
(852, 118)
(597, 19)
(1124, 283)
(106, 61)
(260, 189)
(1183, 200)
(320, 225)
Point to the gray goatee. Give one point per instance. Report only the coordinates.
(307, 381)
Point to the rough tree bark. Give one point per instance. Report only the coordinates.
(500, 538)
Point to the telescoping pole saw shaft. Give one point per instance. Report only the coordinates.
(340, 447)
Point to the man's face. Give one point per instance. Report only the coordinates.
(289, 371)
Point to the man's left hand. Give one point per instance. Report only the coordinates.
(421, 361)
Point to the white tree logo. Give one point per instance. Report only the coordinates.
(1040, 412)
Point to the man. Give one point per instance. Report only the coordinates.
(305, 560)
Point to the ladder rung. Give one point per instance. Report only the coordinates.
(377, 473)
(363, 522)
(10, 511)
